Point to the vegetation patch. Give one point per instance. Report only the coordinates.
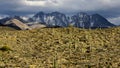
(60, 48)
(5, 48)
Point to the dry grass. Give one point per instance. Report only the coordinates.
(60, 48)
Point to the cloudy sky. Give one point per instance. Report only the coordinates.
(107, 8)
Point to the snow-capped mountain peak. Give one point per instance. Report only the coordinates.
(80, 19)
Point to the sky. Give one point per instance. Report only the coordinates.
(109, 9)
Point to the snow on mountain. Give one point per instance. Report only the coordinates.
(3, 16)
(4, 19)
(24, 18)
(81, 20)
(78, 20)
(50, 19)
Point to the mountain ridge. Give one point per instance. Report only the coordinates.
(53, 19)
(80, 20)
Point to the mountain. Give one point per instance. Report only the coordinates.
(3, 16)
(57, 19)
(20, 23)
(81, 20)
(2, 21)
(20, 18)
(17, 24)
(99, 21)
(50, 19)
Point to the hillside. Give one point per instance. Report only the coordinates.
(60, 48)
(17, 24)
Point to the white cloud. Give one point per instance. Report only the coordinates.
(63, 5)
(39, 2)
(34, 3)
(108, 8)
(84, 5)
(3, 16)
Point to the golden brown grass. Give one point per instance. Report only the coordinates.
(60, 48)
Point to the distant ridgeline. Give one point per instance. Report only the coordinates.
(57, 19)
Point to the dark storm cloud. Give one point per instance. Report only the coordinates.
(9, 7)
(107, 8)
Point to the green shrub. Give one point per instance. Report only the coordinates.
(70, 25)
(5, 48)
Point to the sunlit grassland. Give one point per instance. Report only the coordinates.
(60, 48)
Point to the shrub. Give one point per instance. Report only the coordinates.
(70, 25)
(5, 48)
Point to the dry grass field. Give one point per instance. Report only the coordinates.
(60, 48)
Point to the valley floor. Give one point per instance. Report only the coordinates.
(60, 48)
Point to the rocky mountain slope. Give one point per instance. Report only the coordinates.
(51, 19)
(78, 20)
(17, 24)
(3, 20)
